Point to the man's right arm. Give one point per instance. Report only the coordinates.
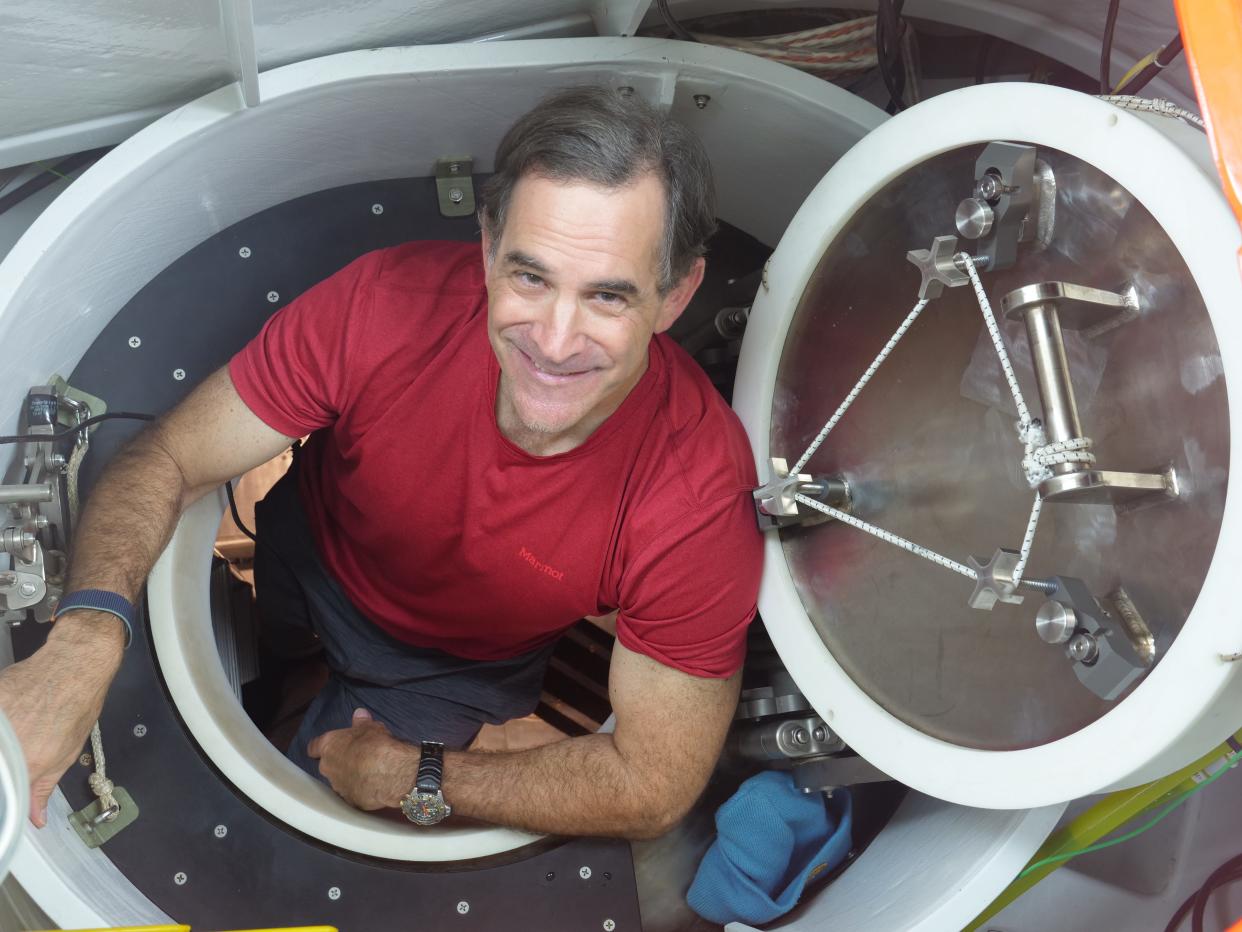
(54, 697)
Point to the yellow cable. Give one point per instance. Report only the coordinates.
(1138, 66)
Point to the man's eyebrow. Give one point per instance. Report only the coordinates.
(526, 261)
(619, 286)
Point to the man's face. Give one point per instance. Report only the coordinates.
(573, 303)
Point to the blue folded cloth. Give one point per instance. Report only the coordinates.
(771, 840)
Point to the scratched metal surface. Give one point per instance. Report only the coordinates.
(930, 452)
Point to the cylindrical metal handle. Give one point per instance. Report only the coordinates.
(1056, 391)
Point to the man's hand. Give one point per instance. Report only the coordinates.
(367, 766)
(53, 698)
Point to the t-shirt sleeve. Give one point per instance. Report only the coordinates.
(295, 375)
(689, 596)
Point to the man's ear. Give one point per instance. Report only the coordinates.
(676, 300)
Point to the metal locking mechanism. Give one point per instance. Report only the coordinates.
(777, 506)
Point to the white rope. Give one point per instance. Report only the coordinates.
(859, 385)
(1153, 105)
(1038, 455)
(924, 552)
(100, 785)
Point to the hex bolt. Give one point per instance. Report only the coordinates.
(800, 736)
(85, 760)
(135, 342)
(28, 589)
(244, 252)
(609, 925)
(273, 296)
(463, 907)
(220, 831)
(701, 101)
(584, 872)
(334, 893)
(820, 734)
(377, 209)
(140, 731)
(180, 878)
(456, 195)
(179, 375)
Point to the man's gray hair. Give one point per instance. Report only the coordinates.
(611, 139)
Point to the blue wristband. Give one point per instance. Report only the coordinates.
(100, 600)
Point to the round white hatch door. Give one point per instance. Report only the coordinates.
(1106, 253)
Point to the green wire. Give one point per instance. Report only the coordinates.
(1229, 762)
(49, 168)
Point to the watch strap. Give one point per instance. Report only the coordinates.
(100, 600)
(430, 768)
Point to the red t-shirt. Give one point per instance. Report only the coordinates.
(447, 535)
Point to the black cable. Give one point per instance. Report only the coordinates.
(48, 177)
(228, 490)
(1161, 61)
(676, 28)
(1227, 873)
(70, 431)
(1106, 52)
(888, 28)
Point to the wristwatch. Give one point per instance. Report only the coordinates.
(425, 805)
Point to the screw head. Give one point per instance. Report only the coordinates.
(609, 925)
(1082, 648)
(800, 736)
(27, 589)
(180, 878)
(454, 168)
(701, 101)
(179, 375)
(584, 872)
(550, 875)
(625, 91)
(135, 342)
(140, 731)
(220, 831)
(377, 209)
(1055, 623)
(820, 734)
(273, 296)
(456, 195)
(463, 907)
(244, 252)
(85, 760)
(334, 893)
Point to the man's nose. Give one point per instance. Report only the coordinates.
(558, 335)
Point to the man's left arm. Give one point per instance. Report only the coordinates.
(637, 782)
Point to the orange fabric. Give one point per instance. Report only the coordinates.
(1212, 35)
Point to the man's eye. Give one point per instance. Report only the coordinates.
(610, 298)
(529, 278)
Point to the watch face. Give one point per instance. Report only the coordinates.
(423, 808)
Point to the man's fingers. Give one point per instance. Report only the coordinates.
(361, 715)
(313, 749)
(38, 812)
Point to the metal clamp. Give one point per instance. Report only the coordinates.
(1047, 308)
(455, 186)
(1108, 654)
(777, 507)
(1013, 202)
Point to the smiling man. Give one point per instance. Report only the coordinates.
(502, 441)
